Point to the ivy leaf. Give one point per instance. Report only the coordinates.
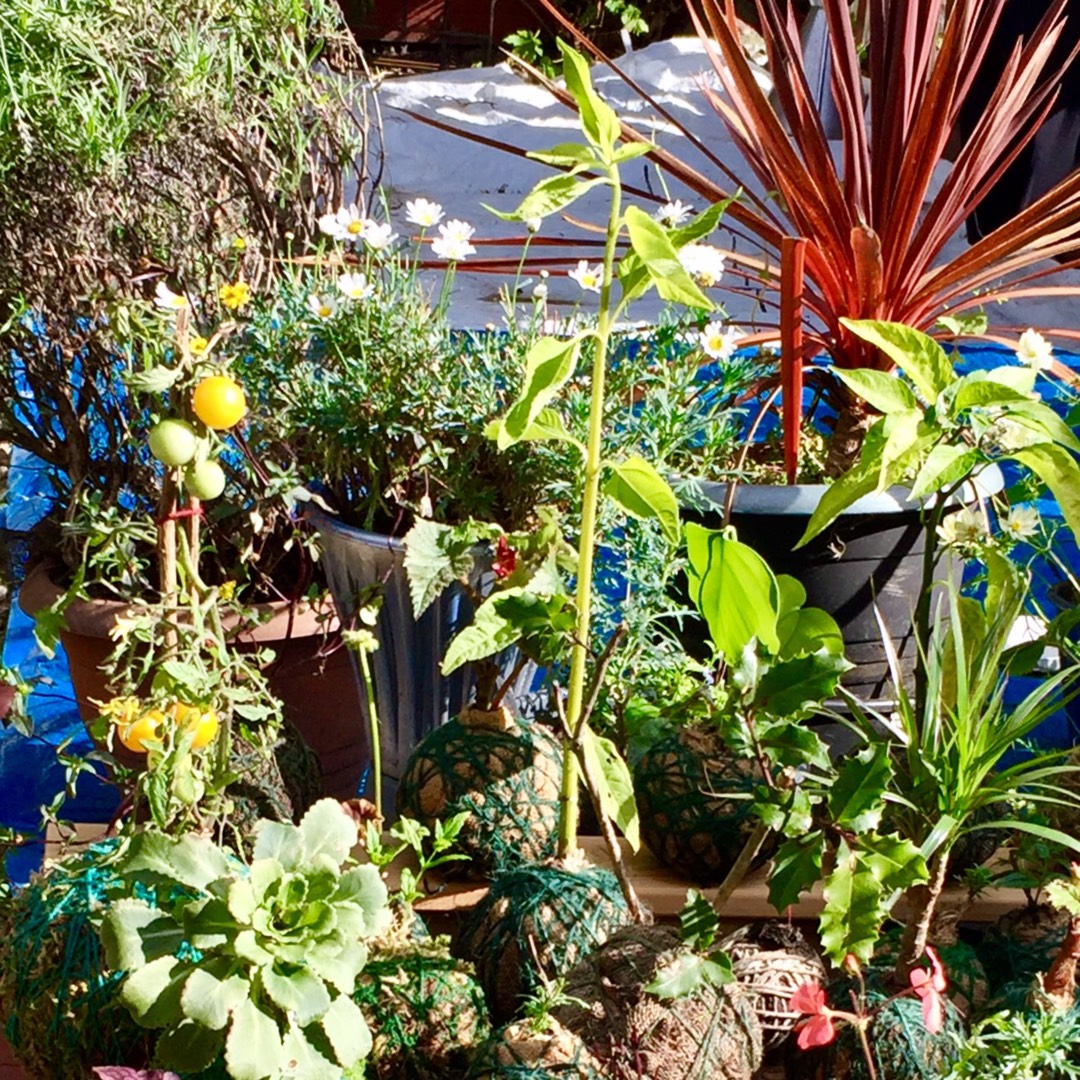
(657, 253)
(852, 917)
(856, 797)
(347, 1031)
(643, 493)
(796, 867)
(253, 1048)
(616, 784)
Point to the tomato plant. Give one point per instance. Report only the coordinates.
(219, 402)
(173, 442)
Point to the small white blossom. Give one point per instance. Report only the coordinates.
(962, 529)
(322, 307)
(703, 262)
(540, 291)
(330, 226)
(718, 342)
(454, 241)
(590, 278)
(534, 224)
(347, 224)
(423, 212)
(167, 300)
(1021, 522)
(1034, 350)
(673, 214)
(378, 235)
(457, 230)
(355, 286)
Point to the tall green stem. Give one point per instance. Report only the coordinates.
(375, 730)
(568, 798)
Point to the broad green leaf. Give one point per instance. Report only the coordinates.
(253, 1048)
(882, 391)
(978, 390)
(297, 991)
(306, 1062)
(550, 195)
(548, 365)
(973, 325)
(701, 225)
(792, 595)
(598, 119)
(1042, 419)
(616, 785)
(435, 557)
(208, 999)
(1057, 469)
(643, 493)
(193, 860)
(733, 588)
(795, 687)
(788, 812)
(565, 155)
(687, 974)
(248, 948)
(146, 985)
(241, 900)
(902, 437)
(631, 151)
(549, 427)
(853, 914)
(917, 354)
(808, 630)
(943, 467)
(189, 1048)
(699, 923)
(339, 966)
(796, 867)
(858, 481)
(489, 633)
(326, 829)
(347, 1031)
(855, 799)
(364, 887)
(133, 932)
(155, 380)
(651, 244)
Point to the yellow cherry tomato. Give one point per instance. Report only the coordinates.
(144, 728)
(219, 402)
(202, 723)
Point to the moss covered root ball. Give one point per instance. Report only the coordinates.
(711, 1035)
(522, 1051)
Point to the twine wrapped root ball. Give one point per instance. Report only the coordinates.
(770, 961)
(58, 1003)
(521, 1052)
(683, 784)
(504, 773)
(711, 1035)
(536, 923)
(425, 1009)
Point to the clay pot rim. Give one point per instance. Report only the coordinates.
(281, 619)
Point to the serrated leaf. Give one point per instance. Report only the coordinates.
(687, 974)
(896, 862)
(549, 363)
(339, 966)
(882, 391)
(643, 493)
(795, 687)
(326, 829)
(852, 917)
(792, 745)
(805, 631)
(856, 796)
(435, 557)
(189, 1048)
(796, 867)
(303, 1060)
(917, 354)
(195, 861)
(208, 1000)
(658, 255)
(347, 1031)
(297, 991)
(698, 922)
(616, 784)
(253, 1048)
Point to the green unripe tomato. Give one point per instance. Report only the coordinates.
(205, 480)
(173, 442)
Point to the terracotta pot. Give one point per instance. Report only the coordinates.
(311, 674)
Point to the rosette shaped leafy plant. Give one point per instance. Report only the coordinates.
(256, 961)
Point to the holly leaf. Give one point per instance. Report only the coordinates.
(856, 797)
(852, 917)
(688, 973)
(796, 867)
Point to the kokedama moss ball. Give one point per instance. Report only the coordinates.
(770, 961)
(58, 1003)
(966, 975)
(505, 774)
(520, 1052)
(426, 1010)
(537, 920)
(1021, 944)
(683, 784)
(711, 1035)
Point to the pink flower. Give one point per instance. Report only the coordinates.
(505, 559)
(930, 985)
(809, 1000)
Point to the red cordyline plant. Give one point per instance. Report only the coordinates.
(874, 234)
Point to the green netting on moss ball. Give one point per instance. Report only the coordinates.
(710, 1035)
(537, 920)
(508, 781)
(683, 785)
(1021, 945)
(59, 1004)
(519, 1052)
(426, 1011)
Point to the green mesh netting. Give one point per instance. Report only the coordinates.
(426, 1011)
(710, 1035)
(517, 1052)
(537, 919)
(969, 986)
(58, 1005)
(1018, 948)
(683, 785)
(508, 781)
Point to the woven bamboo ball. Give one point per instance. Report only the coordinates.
(770, 961)
(536, 923)
(505, 774)
(711, 1035)
(426, 1010)
(520, 1052)
(689, 821)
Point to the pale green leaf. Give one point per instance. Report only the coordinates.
(549, 363)
(193, 860)
(565, 155)
(1042, 419)
(339, 965)
(435, 557)
(943, 467)
(550, 195)
(917, 354)
(363, 886)
(657, 253)
(143, 988)
(297, 991)
(134, 932)
(1057, 469)
(253, 1048)
(326, 829)
(615, 784)
(347, 1031)
(598, 119)
(643, 493)
(489, 633)
(548, 427)
(305, 1061)
(208, 1000)
(882, 391)
(860, 480)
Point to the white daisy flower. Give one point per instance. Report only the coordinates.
(423, 212)
(962, 529)
(167, 300)
(322, 307)
(330, 226)
(673, 214)
(350, 225)
(590, 278)
(1021, 522)
(355, 286)
(455, 229)
(717, 341)
(454, 241)
(703, 262)
(1034, 350)
(378, 235)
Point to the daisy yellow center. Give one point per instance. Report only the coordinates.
(715, 343)
(325, 310)
(355, 227)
